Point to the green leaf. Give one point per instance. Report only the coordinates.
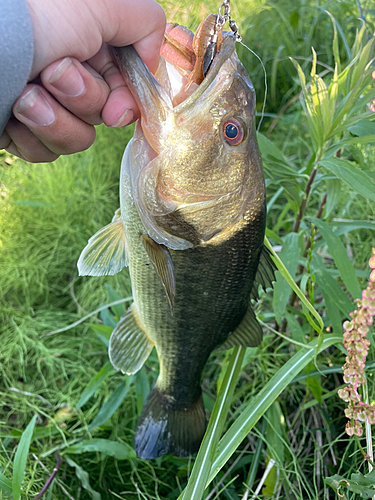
(358, 180)
(276, 165)
(142, 388)
(281, 288)
(329, 286)
(84, 478)
(108, 318)
(358, 483)
(111, 405)
(275, 237)
(21, 457)
(344, 227)
(314, 383)
(263, 400)
(365, 139)
(296, 331)
(113, 296)
(313, 120)
(95, 383)
(274, 433)
(103, 332)
(363, 127)
(5, 485)
(254, 466)
(338, 252)
(121, 451)
(321, 100)
(367, 53)
(318, 327)
(203, 462)
(333, 195)
(335, 44)
(333, 311)
(103, 329)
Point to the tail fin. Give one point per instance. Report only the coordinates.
(165, 428)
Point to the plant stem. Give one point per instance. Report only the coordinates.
(271, 463)
(304, 202)
(365, 456)
(300, 268)
(51, 477)
(370, 452)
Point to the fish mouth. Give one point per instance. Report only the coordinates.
(226, 51)
(154, 96)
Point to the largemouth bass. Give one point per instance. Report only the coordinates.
(191, 228)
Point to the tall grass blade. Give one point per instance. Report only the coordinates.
(94, 384)
(76, 323)
(357, 179)
(84, 478)
(258, 406)
(203, 462)
(21, 457)
(5, 485)
(340, 256)
(121, 451)
(318, 327)
(330, 286)
(111, 405)
(281, 289)
(256, 459)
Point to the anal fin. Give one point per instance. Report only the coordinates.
(129, 346)
(265, 273)
(162, 261)
(248, 334)
(105, 252)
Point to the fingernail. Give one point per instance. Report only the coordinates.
(66, 79)
(35, 107)
(126, 118)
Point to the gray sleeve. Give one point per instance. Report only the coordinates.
(16, 54)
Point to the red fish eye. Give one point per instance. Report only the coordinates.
(233, 132)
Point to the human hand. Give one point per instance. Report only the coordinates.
(80, 84)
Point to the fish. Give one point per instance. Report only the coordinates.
(190, 227)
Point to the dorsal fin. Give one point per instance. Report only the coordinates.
(162, 261)
(265, 273)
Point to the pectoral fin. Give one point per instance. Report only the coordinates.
(247, 334)
(105, 252)
(129, 346)
(162, 261)
(265, 274)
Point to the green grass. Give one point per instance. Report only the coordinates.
(47, 214)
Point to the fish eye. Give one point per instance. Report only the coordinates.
(233, 132)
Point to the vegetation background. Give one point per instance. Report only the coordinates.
(62, 387)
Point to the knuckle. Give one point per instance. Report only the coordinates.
(75, 143)
(45, 156)
(5, 140)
